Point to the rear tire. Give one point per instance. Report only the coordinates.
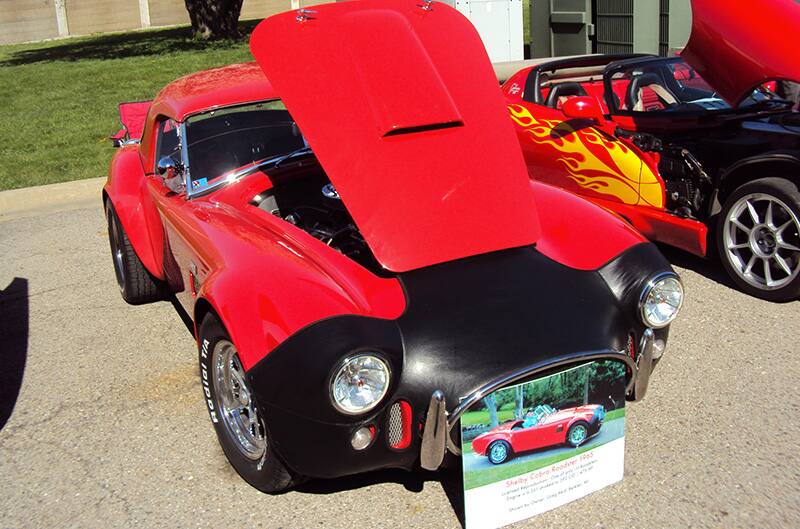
(758, 239)
(240, 428)
(136, 284)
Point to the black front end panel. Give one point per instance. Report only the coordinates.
(467, 323)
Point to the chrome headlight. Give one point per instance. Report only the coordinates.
(661, 300)
(360, 383)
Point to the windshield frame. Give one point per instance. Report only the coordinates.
(229, 177)
(628, 65)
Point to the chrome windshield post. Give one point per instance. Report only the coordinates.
(184, 150)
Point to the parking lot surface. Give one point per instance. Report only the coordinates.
(109, 430)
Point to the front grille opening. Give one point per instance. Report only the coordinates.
(398, 425)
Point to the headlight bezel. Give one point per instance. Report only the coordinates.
(337, 371)
(648, 289)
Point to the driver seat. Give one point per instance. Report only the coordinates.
(646, 92)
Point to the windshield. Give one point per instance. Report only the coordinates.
(672, 86)
(220, 141)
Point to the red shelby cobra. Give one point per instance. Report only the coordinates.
(545, 427)
(694, 151)
(360, 247)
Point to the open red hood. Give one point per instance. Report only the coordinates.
(400, 104)
(736, 46)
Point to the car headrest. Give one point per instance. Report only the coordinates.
(563, 90)
(640, 81)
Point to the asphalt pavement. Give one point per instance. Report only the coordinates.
(109, 430)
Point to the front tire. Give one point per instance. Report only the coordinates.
(758, 239)
(240, 427)
(135, 283)
(577, 434)
(498, 452)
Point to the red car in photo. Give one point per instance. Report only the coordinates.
(350, 226)
(694, 151)
(543, 426)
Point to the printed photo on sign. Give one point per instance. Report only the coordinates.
(532, 447)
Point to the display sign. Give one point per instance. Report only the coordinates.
(535, 446)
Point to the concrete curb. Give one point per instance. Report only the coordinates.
(37, 200)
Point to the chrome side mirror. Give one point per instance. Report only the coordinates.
(167, 167)
(172, 173)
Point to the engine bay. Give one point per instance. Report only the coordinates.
(303, 196)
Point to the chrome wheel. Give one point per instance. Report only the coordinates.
(762, 241)
(234, 401)
(116, 248)
(578, 434)
(498, 452)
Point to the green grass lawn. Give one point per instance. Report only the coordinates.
(482, 417)
(59, 98)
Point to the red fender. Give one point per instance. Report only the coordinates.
(126, 187)
(259, 319)
(578, 233)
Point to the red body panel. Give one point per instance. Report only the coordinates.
(737, 46)
(416, 163)
(576, 232)
(551, 431)
(258, 271)
(658, 225)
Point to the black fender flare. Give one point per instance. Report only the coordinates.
(745, 169)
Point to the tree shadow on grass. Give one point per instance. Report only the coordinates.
(124, 45)
(14, 317)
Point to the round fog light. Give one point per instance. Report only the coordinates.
(361, 438)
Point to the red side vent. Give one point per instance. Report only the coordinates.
(632, 346)
(398, 425)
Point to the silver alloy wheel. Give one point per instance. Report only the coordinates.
(116, 248)
(498, 452)
(233, 400)
(578, 434)
(762, 241)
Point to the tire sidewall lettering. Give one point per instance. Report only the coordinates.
(204, 370)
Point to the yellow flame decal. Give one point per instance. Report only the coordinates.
(594, 161)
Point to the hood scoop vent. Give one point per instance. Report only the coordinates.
(405, 94)
(423, 128)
